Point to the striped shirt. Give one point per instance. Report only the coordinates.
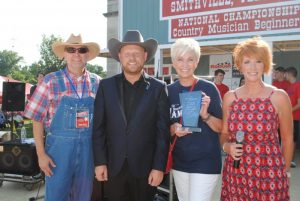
(47, 96)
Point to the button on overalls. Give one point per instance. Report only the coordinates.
(71, 150)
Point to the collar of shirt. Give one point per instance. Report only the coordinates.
(75, 78)
(137, 83)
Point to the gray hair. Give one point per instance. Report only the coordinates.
(184, 45)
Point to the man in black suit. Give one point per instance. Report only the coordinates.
(131, 124)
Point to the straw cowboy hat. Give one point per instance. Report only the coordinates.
(132, 37)
(59, 47)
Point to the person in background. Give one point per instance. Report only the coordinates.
(2, 120)
(131, 124)
(63, 104)
(255, 110)
(40, 77)
(197, 155)
(294, 94)
(279, 79)
(280, 82)
(218, 80)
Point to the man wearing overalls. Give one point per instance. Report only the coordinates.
(63, 105)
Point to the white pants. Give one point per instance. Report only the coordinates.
(194, 186)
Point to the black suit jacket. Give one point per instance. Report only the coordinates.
(144, 140)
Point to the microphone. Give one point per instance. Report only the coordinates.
(239, 139)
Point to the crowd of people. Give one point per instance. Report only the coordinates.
(118, 129)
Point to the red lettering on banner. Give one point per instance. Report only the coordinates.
(171, 8)
(221, 66)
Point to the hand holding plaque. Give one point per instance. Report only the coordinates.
(191, 105)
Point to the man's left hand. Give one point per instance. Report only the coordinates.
(155, 177)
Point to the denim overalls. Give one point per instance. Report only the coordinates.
(71, 150)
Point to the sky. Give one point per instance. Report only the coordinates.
(24, 22)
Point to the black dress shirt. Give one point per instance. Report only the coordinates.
(131, 93)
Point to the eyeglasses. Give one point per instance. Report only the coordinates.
(81, 50)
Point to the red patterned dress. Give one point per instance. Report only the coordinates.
(261, 173)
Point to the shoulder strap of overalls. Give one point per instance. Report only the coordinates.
(60, 79)
(93, 78)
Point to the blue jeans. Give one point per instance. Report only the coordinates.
(71, 150)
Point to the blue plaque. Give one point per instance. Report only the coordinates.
(191, 105)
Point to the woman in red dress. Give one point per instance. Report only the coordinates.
(256, 110)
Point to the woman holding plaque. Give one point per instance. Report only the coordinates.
(256, 167)
(196, 154)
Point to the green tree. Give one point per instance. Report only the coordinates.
(49, 62)
(23, 74)
(9, 62)
(96, 69)
(34, 69)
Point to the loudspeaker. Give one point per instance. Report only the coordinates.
(16, 158)
(13, 96)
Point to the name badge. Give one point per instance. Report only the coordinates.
(82, 118)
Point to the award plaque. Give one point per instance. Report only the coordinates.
(191, 105)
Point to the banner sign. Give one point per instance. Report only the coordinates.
(171, 8)
(237, 22)
(242, 18)
(221, 61)
(224, 62)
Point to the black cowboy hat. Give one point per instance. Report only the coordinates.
(132, 37)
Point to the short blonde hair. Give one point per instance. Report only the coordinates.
(254, 48)
(184, 45)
